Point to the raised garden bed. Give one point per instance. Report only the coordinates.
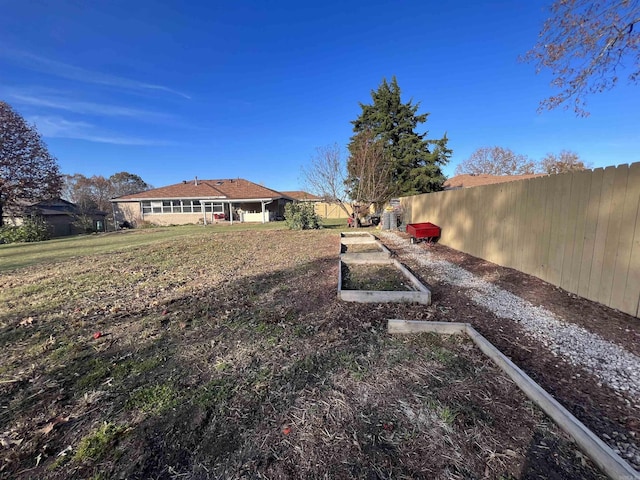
(372, 280)
(362, 247)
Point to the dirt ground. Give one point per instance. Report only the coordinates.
(230, 356)
(610, 414)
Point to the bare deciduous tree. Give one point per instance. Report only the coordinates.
(496, 161)
(585, 44)
(565, 161)
(369, 171)
(326, 174)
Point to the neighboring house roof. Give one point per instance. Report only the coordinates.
(478, 180)
(47, 208)
(302, 196)
(228, 189)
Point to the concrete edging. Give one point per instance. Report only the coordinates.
(602, 455)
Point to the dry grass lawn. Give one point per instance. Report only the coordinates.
(226, 354)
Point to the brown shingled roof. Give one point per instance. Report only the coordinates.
(230, 189)
(467, 180)
(302, 195)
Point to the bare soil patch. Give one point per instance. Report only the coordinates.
(228, 355)
(376, 277)
(360, 248)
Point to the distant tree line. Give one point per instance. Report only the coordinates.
(95, 192)
(504, 161)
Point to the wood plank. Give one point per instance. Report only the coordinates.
(590, 227)
(506, 227)
(549, 207)
(414, 326)
(518, 194)
(613, 233)
(559, 228)
(571, 222)
(573, 259)
(533, 216)
(601, 234)
(625, 294)
(537, 224)
(526, 244)
(520, 221)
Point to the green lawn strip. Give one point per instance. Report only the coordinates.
(20, 255)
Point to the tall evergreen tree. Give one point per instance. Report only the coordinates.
(416, 162)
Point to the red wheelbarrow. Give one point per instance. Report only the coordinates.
(421, 231)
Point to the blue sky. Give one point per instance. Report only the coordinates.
(175, 89)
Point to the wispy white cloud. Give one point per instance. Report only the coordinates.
(72, 72)
(60, 102)
(57, 127)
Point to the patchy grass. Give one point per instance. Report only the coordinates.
(226, 354)
(98, 444)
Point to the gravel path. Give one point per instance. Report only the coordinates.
(610, 363)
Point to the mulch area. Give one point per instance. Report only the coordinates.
(606, 412)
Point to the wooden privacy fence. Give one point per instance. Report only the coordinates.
(579, 231)
(331, 210)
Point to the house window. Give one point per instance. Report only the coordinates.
(179, 206)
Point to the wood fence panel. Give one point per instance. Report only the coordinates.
(559, 228)
(590, 229)
(613, 233)
(457, 217)
(519, 221)
(506, 226)
(549, 209)
(572, 262)
(571, 223)
(483, 208)
(537, 225)
(500, 224)
(471, 240)
(631, 299)
(487, 211)
(623, 273)
(522, 226)
(553, 198)
(601, 233)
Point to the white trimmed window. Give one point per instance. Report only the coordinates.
(180, 206)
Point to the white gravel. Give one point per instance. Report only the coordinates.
(610, 363)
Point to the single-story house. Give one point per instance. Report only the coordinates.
(468, 180)
(201, 201)
(322, 208)
(63, 217)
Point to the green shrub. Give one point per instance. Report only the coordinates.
(301, 216)
(34, 229)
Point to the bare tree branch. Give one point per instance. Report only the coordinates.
(326, 174)
(584, 44)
